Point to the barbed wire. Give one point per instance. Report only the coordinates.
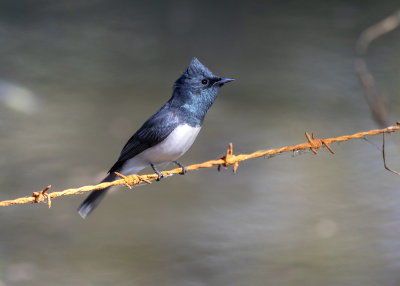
(228, 159)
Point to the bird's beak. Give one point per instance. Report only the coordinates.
(222, 81)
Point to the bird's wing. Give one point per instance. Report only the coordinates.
(153, 131)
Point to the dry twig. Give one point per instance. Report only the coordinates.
(376, 100)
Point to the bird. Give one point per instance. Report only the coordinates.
(167, 134)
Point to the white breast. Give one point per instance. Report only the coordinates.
(174, 146)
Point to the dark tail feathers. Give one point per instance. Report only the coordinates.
(94, 198)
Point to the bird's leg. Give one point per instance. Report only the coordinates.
(184, 169)
(160, 175)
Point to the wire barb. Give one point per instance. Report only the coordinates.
(42, 195)
(229, 159)
(131, 180)
(317, 143)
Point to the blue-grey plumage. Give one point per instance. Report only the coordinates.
(170, 132)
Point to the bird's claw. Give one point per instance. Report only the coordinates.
(159, 174)
(184, 171)
(184, 168)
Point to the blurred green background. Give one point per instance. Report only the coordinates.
(77, 78)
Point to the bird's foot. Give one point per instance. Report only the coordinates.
(184, 169)
(160, 175)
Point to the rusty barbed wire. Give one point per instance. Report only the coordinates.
(228, 159)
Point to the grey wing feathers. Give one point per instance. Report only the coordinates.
(152, 132)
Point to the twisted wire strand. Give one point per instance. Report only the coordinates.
(228, 159)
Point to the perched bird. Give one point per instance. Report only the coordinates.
(169, 133)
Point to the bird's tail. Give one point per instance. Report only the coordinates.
(95, 197)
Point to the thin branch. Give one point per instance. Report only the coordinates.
(376, 100)
(384, 157)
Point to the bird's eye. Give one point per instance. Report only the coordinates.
(204, 81)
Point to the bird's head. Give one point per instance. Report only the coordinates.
(198, 87)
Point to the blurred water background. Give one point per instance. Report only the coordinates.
(77, 78)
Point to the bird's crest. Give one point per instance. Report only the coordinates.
(197, 68)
